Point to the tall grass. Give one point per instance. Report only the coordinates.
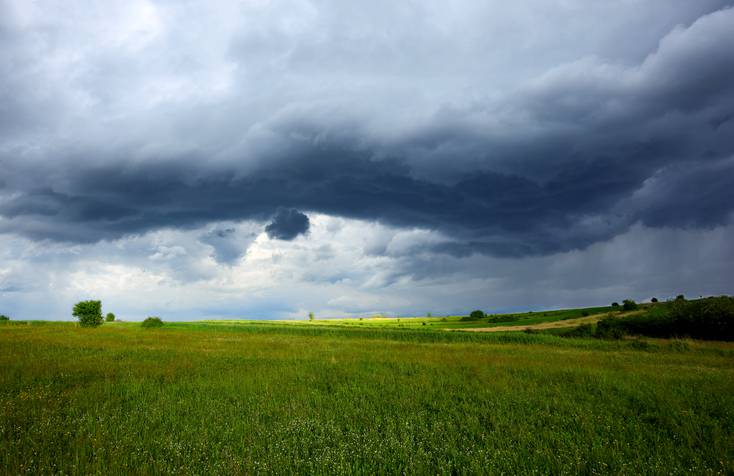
(213, 399)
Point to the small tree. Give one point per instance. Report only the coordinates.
(629, 305)
(476, 314)
(89, 313)
(152, 321)
(110, 317)
(615, 304)
(310, 316)
(680, 297)
(3, 317)
(654, 299)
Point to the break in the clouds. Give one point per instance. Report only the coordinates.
(470, 132)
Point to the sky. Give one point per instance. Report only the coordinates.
(265, 159)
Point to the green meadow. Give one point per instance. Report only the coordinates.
(241, 398)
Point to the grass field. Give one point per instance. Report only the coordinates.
(229, 398)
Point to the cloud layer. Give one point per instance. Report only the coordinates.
(489, 131)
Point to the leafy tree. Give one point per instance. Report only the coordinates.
(310, 316)
(615, 304)
(89, 313)
(110, 317)
(3, 317)
(152, 321)
(654, 299)
(629, 305)
(680, 297)
(476, 314)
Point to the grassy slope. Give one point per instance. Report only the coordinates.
(198, 398)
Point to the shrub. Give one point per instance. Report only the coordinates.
(3, 317)
(152, 321)
(654, 299)
(615, 304)
(89, 313)
(584, 330)
(609, 328)
(629, 305)
(680, 297)
(476, 314)
(709, 318)
(110, 317)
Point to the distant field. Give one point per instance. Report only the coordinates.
(444, 322)
(376, 397)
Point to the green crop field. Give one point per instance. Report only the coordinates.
(227, 397)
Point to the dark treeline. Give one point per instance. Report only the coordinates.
(708, 318)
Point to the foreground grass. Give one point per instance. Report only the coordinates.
(212, 399)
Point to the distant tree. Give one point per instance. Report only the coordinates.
(152, 321)
(3, 317)
(476, 314)
(654, 299)
(110, 317)
(89, 313)
(310, 316)
(615, 304)
(680, 297)
(428, 314)
(629, 305)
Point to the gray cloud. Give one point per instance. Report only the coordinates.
(287, 224)
(509, 143)
(229, 245)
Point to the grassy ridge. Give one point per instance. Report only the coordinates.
(200, 398)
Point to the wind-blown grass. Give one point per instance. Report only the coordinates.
(227, 398)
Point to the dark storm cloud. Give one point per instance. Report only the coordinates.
(573, 157)
(287, 224)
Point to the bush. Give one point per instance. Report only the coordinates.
(89, 313)
(654, 299)
(584, 330)
(609, 328)
(152, 321)
(709, 318)
(680, 297)
(476, 314)
(629, 305)
(615, 304)
(3, 317)
(110, 317)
